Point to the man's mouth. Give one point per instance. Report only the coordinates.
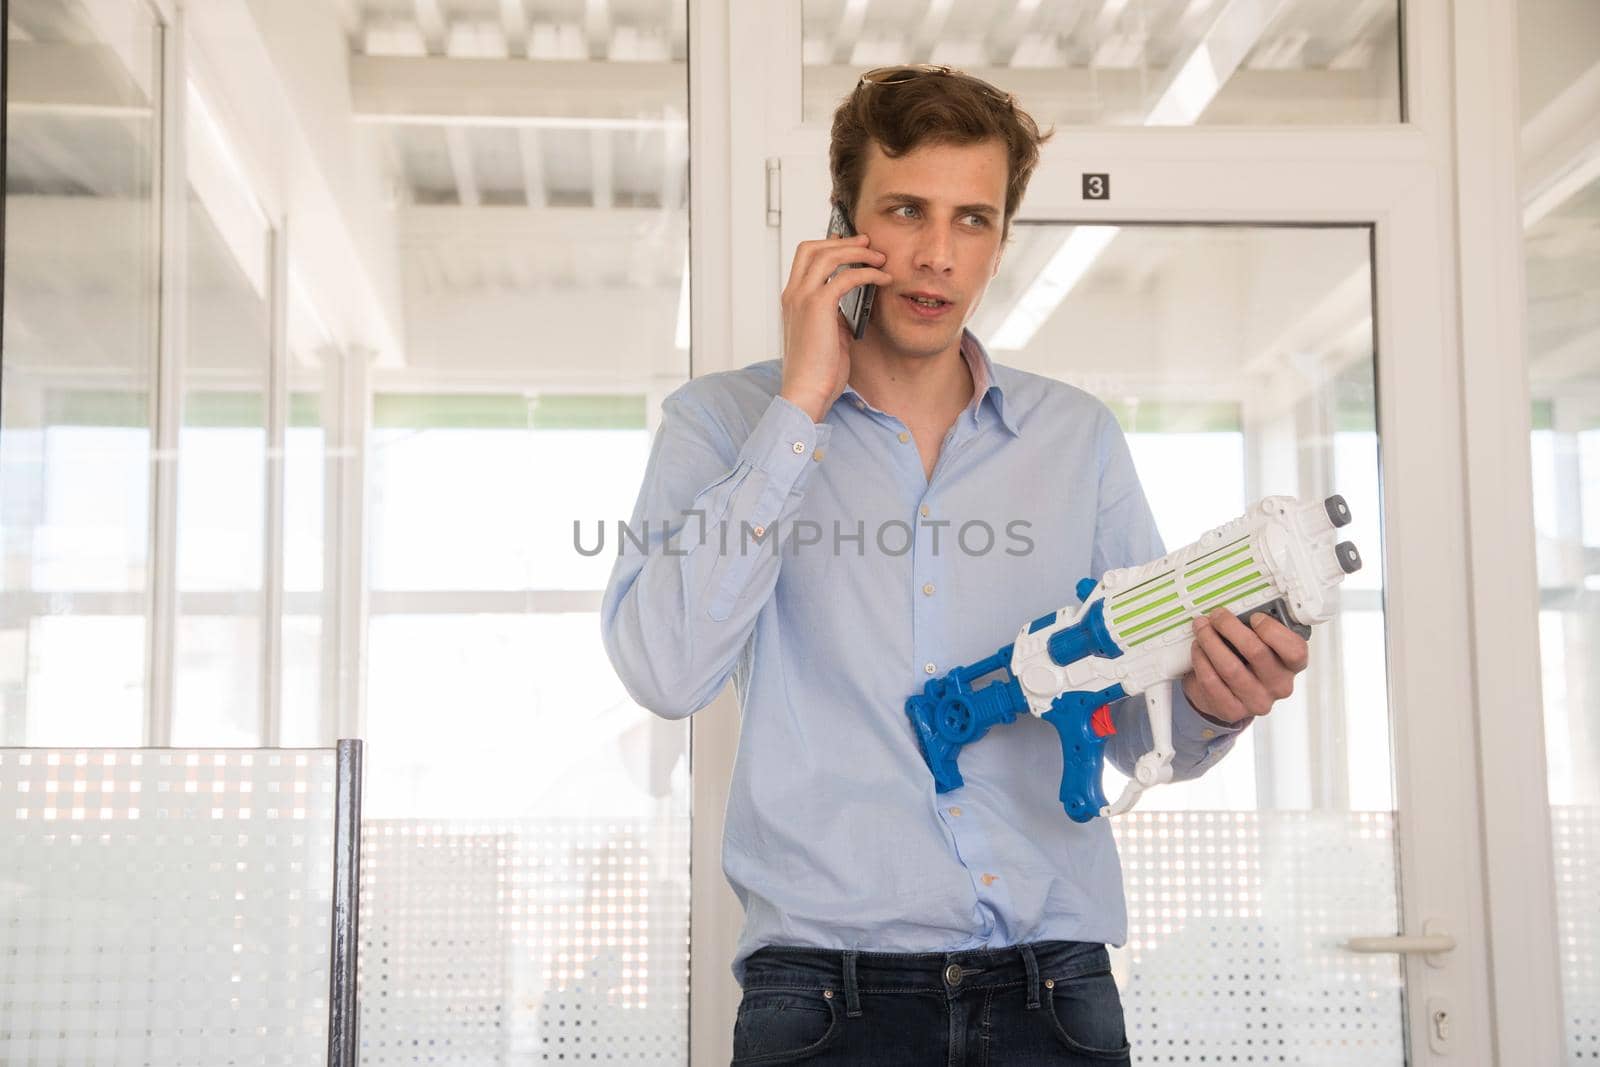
(926, 304)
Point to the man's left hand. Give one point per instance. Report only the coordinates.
(1232, 688)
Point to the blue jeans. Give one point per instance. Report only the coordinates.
(1051, 1002)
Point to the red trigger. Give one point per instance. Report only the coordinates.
(1100, 722)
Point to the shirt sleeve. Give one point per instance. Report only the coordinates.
(1126, 536)
(699, 557)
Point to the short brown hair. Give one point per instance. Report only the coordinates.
(930, 106)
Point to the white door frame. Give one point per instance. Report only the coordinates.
(1496, 413)
(1461, 594)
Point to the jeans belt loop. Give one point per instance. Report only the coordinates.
(1032, 964)
(852, 993)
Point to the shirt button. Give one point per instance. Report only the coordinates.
(927, 590)
(927, 668)
(924, 511)
(859, 403)
(816, 456)
(952, 974)
(990, 879)
(759, 531)
(904, 437)
(1208, 733)
(799, 447)
(956, 812)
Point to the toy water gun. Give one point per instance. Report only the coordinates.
(1131, 634)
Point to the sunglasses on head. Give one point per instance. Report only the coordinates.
(899, 75)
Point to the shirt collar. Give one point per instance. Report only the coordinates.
(984, 385)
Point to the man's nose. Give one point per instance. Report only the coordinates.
(934, 249)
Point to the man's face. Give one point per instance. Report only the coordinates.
(937, 213)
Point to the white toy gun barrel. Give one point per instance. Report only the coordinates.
(1132, 633)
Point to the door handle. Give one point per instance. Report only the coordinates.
(1431, 944)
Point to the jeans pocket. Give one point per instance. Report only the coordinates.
(1086, 1013)
(782, 1025)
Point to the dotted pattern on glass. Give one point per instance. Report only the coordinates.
(1577, 846)
(524, 941)
(1235, 923)
(164, 906)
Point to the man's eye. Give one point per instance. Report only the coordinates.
(977, 220)
(903, 207)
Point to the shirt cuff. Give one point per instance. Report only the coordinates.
(785, 445)
(1192, 730)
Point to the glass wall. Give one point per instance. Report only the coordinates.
(520, 807)
(81, 292)
(1240, 362)
(1560, 95)
(541, 259)
(1128, 62)
(79, 446)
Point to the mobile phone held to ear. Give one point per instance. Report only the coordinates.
(857, 303)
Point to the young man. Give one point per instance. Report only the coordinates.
(855, 519)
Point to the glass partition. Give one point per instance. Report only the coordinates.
(166, 906)
(526, 865)
(1560, 75)
(83, 101)
(1239, 360)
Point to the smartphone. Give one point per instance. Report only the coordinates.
(857, 303)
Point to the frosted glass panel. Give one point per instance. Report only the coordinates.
(525, 941)
(165, 907)
(1236, 925)
(1576, 831)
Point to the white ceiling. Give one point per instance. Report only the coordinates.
(524, 189)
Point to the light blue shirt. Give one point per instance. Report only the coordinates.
(883, 578)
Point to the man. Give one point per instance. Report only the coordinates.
(828, 552)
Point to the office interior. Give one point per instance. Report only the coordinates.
(333, 328)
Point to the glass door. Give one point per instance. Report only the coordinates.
(1259, 308)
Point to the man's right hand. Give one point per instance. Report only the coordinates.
(816, 338)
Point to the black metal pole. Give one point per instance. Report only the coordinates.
(344, 1048)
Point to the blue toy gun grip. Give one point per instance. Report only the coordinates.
(1083, 722)
(949, 714)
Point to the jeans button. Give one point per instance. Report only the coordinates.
(952, 974)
